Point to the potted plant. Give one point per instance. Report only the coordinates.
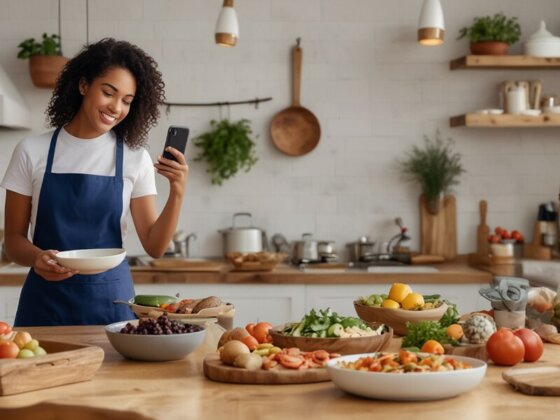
(492, 35)
(435, 167)
(227, 148)
(45, 59)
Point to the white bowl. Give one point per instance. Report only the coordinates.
(152, 348)
(422, 386)
(532, 112)
(501, 250)
(91, 261)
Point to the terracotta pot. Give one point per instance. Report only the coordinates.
(489, 48)
(44, 69)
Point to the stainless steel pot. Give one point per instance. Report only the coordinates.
(361, 250)
(243, 239)
(305, 250)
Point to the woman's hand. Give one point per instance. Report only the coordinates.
(48, 268)
(176, 172)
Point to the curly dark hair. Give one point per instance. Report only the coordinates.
(93, 61)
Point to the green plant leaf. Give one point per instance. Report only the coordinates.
(436, 168)
(492, 28)
(227, 149)
(49, 45)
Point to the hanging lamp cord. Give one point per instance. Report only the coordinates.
(60, 26)
(87, 22)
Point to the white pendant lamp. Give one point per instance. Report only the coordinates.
(227, 27)
(431, 28)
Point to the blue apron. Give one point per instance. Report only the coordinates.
(78, 211)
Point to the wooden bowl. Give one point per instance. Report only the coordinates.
(397, 318)
(350, 345)
(476, 351)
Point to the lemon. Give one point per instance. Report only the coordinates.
(413, 301)
(391, 304)
(399, 291)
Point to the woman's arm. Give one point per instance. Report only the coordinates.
(19, 248)
(155, 232)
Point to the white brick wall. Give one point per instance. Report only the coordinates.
(373, 89)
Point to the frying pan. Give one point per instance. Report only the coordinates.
(295, 130)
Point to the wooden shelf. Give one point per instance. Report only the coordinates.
(504, 61)
(504, 120)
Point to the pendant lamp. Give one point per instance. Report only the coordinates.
(431, 28)
(227, 27)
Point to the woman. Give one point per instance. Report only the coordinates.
(73, 188)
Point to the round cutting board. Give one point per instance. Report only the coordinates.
(215, 370)
(534, 380)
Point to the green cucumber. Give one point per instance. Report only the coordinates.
(335, 330)
(153, 300)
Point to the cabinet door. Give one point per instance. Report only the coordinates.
(276, 304)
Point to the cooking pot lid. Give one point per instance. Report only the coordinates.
(236, 229)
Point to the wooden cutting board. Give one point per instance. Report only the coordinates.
(483, 231)
(540, 379)
(65, 363)
(438, 232)
(215, 370)
(186, 265)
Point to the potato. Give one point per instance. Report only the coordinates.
(238, 333)
(248, 361)
(231, 350)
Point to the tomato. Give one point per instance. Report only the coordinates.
(498, 230)
(250, 327)
(5, 328)
(515, 234)
(432, 346)
(494, 239)
(533, 344)
(505, 348)
(260, 332)
(505, 234)
(8, 350)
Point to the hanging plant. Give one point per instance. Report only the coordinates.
(227, 148)
(436, 168)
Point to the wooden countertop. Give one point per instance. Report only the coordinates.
(458, 272)
(178, 390)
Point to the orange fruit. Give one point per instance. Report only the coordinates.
(432, 346)
(399, 291)
(413, 301)
(390, 303)
(455, 331)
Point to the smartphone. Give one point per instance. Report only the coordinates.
(176, 137)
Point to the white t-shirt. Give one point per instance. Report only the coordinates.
(74, 155)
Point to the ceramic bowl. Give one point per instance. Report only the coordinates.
(422, 386)
(531, 112)
(349, 345)
(153, 348)
(397, 318)
(91, 261)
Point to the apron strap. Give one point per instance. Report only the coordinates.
(119, 161)
(52, 147)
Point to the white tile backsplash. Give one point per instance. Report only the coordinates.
(375, 92)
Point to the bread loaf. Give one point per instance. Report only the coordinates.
(209, 302)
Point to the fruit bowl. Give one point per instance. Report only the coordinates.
(155, 348)
(347, 345)
(397, 318)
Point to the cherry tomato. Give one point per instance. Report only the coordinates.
(505, 234)
(533, 344)
(8, 349)
(498, 230)
(432, 346)
(494, 239)
(5, 328)
(505, 348)
(250, 327)
(515, 234)
(260, 332)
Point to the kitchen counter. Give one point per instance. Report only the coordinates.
(458, 272)
(178, 390)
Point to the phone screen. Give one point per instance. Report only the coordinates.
(177, 138)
